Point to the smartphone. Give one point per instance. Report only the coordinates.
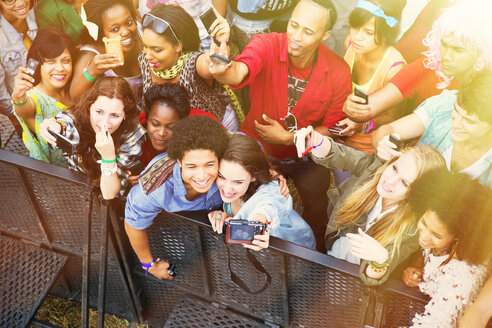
(361, 93)
(336, 129)
(32, 64)
(394, 139)
(309, 143)
(67, 146)
(219, 59)
(136, 168)
(113, 46)
(208, 18)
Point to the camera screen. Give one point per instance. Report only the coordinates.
(242, 232)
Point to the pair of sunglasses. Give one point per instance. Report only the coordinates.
(290, 123)
(159, 25)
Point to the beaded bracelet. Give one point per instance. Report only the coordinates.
(377, 265)
(88, 76)
(368, 127)
(20, 104)
(373, 268)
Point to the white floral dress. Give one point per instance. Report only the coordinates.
(452, 288)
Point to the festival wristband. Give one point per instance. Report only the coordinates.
(147, 266)
(110, 161)
(88, 76)
(20, 104)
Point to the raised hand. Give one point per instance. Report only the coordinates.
(366, 247)
(104, 144)
(23, 83)
(387, 150)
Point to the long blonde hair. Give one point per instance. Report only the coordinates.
(392, 227)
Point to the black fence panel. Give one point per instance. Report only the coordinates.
(194, 313)
(118, 300)
(18, 215)
(320, 296)
(268, 304)
(400, 309)
(26, 274)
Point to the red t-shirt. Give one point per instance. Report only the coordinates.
(147, 149)
(321, 103)
(418, 83)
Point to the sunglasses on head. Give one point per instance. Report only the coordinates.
(159, 25)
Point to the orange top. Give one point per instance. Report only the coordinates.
(390, 58)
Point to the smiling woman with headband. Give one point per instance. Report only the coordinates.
(171, 55)
(374, 26)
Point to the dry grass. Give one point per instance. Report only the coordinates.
(64, 313)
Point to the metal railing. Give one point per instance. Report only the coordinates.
(49, 206)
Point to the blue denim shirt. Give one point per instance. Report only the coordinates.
(141, 209)
(13, 54)
(285, 223)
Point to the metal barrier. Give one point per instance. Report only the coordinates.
(47, 205)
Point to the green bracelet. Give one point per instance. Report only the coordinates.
(20, 104)
(88, 76)
(110, 161)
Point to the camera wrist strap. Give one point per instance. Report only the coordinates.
(238, 281)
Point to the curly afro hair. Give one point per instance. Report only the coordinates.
(197, 132)
(462, 205)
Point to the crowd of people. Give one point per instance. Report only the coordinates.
(386, 145)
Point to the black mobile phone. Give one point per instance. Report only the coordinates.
(336, 128)
(361, 93)
(67, 146)
(219, 59)
(136, 168)
(394, 139)
(208, 18)
(32, 64)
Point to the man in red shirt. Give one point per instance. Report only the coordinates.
(295, 81)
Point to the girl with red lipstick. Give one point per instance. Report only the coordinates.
(454, 233)
(371, 223)
(115, 18)
(45, 93)
(374, 26)
(170, 55)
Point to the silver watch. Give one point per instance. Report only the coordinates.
(108, 172)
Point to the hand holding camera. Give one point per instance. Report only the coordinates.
(251, 234)
(163, 270)
(23, 83)
(44, 130)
